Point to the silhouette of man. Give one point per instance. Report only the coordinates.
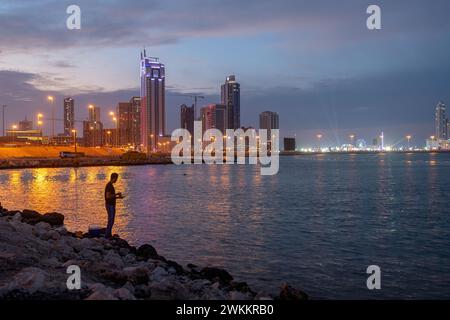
(110, 202)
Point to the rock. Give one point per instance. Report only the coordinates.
(211, 273)
(52, 234)
(168, 289)
(44, 226)
(136, 275)
(124, 294)
(90, 254)
(102, 295)
(53, 218)
(113, 259)
(178, 269)
(29, 280)
(289, 293)
(199, 284)
(146, 251)
(158, 274)
(30, 216)
(236, 295)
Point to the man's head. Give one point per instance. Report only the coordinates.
(114, 177)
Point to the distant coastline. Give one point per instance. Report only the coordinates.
(302, 153)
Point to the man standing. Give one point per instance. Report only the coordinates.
(110, 203)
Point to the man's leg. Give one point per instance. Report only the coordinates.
(111, 216)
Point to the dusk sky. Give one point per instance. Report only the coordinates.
(313, 62)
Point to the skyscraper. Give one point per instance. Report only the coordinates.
(269, 120)
(25, 125)
(152, 102)
(231, 97)
(94, 113)
(69, 116)
(128, 114)
(187, 118)
(214, 116)
(441, 122)
(136, 120)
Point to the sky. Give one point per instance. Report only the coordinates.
(314, 62)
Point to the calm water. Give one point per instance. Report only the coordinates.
(318, 224)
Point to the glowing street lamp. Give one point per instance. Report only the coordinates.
(352, 137)
(51, 99)
(75, 139)
(408, 137)
(319, 138)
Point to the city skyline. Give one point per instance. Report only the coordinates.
(350, 82)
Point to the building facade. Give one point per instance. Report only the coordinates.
(69, 116)
(441, 122)
(215, 116)
(152, 102)
(269, 120)
(25, 125)
(187, 118)
(231, 97)
(93, 134)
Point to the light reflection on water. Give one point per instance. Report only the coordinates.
(316, 225)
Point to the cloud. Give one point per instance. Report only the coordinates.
(31, 25)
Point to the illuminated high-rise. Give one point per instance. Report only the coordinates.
(231, 97)
(152, 102)
(441, 122)
(69, 116)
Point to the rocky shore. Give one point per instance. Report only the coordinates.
(82, 162)
(36, 250)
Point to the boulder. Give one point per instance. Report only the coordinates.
(124, 294)
(53, 218)
(29, 280)
(146, 251)
(136, 275)
(289, 293)
(212, 273)
(30, 216)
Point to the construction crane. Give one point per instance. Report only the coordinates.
(194, 96)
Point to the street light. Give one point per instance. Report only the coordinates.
(75, 139)
(52, 99)
(408, 137)
(319, 137)
(352, 137)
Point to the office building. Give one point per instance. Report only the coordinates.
(69, 116)
(187, 118)
(289, 144)
(214, 116)
(25, 125)
(93, 134)
(152, 102)
(269, 120)
(231, 97)
(441, 122)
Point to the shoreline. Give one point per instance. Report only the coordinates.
(36, 250)
(33, 163)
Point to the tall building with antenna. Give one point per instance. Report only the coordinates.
(441, 122)
(152, 102)
(231, 97)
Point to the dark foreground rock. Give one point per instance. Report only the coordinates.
(36, 252)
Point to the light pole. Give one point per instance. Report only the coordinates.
(75, 139)
(352, 138)
(14, 128)
(39, 122)
(108, 133)
(408, 137)
(52, 99)
(319, 137)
